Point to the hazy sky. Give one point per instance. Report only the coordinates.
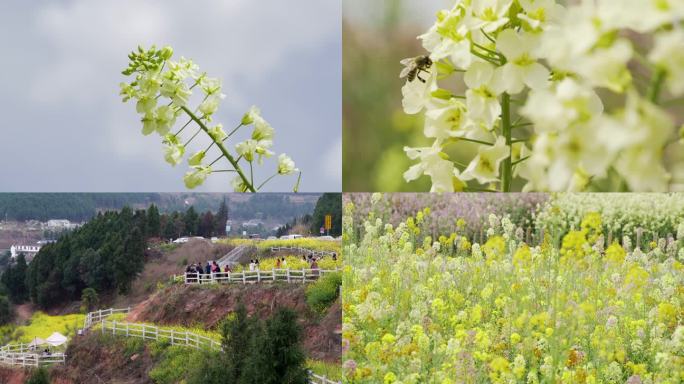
(64, 128)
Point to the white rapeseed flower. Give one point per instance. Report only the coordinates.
(482, 95)
(485, 166)
(521, 67)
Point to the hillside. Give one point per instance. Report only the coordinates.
(198, 306)
(82, 206)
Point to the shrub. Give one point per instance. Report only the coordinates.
(321, 294)
(6, 313)
(89, 300)
(39, 377)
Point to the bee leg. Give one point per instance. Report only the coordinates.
(420, 78)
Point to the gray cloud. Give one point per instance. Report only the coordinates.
(64, 127)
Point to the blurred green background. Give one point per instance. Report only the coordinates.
(376, 36)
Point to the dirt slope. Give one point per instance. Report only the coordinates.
(205, 307)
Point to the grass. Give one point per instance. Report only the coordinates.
(308, 243)
(42, 325)
(332, 371)
(121, 317)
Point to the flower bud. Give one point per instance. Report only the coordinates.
(166, 52)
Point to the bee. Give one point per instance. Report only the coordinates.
(414, 66)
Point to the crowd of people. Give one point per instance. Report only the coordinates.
(193, 272)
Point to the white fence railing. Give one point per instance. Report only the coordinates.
(97, 316)
(303, 250)
(25, 356)
(246, 277)
(152, 332)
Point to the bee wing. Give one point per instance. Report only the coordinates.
(408, 62)
(405, 72)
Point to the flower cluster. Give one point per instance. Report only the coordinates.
(647, 216)
(563, 98)
(507, 312)
(163, 88)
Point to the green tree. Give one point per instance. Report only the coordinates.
(6, 313)
(236, 333)
(206, 225)
(89, 300)
(153, 222)
(276, 355)
(191, 221)
(220, 219)
(328, 204)
(14, 278)
(39, 376)
(169, 229)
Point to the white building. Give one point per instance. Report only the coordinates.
(28, 250)
(61, 224)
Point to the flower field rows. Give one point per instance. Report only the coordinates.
(573, 309)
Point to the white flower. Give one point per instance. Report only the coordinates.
(247, 149)
(668, 54)
(210, 85)
(238, 184)
(568, 102)
(165, 118)
(489, 15)
(250, 115)
(485, 166)
(196, 159)
(286, 165)
(521, 67)
(174, 151)
(183, 68)
(217, 133)
(177, 91)
(448, 38)
(606, 67)
(446, 119)
(539, 13)
(481, 97)
(432, 163)
(210, 105)
(417, 95)
(262, 129)
(196, 177)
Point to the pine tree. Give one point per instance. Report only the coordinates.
(220, 219)
(237, 333)
(153, 222)
(328, 204)
(276, 355)
(191, 221)
(40, 376)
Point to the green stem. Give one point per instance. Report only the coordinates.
(475, 189)
(192, 137)
(656, 84)
(223, 149)
(266, 181)
(520, 161)
(296, 187)
(473, 141)
(233, 131)
(507, 166)
(251, 173)
(215, 161)
(489, 59)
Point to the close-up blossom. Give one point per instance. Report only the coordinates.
(562, 80)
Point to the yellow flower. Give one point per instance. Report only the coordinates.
(615, 254)
(390, 378)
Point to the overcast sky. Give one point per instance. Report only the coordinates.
(64, 128)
